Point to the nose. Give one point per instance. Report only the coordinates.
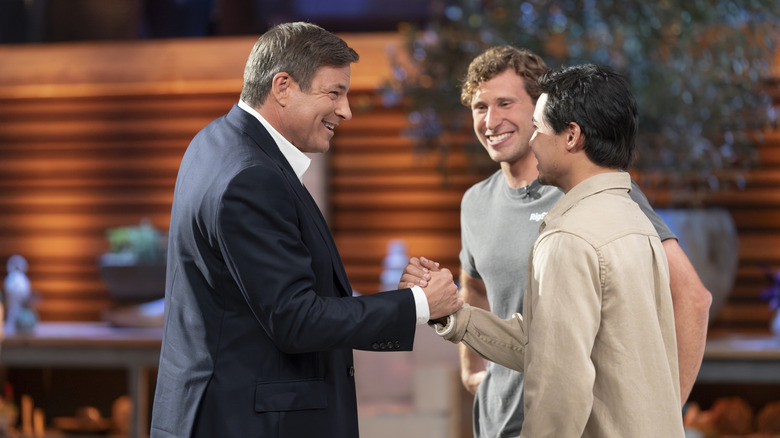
(492, 118)
(342, 108)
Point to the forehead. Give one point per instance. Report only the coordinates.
(330, 76)
(539, 109)
(506, 84)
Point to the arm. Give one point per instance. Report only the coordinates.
(690, 299)
(563, 310)
(280, 267)
(691, 302)
(472, 367)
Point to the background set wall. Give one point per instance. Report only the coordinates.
(91, 135)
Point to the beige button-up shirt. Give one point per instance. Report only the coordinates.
(596, 340)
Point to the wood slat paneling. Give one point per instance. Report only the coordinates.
(91, 135)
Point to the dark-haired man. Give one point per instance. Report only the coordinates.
(596, 340)
(500, 219)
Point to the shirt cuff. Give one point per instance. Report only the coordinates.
(421, 304)
(444, 330)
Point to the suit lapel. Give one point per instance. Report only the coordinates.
(260, 135)
(322, 225)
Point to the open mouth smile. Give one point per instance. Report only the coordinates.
(493, 139)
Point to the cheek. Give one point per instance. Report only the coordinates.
(479, 122)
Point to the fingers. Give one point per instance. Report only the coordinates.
(442, 293)
(415, 274)
(429, 264)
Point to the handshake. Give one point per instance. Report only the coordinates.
(438, 285)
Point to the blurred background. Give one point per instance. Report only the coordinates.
(99, 99)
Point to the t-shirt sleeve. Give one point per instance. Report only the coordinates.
(660, 226)
(466, 257)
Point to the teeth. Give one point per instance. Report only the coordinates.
(329, 125)
(497, 138)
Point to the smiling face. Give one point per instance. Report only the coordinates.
(502, 111)
(311, 116)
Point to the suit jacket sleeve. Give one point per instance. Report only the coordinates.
(286, 274)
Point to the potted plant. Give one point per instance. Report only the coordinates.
(134, 267)
(698, 70)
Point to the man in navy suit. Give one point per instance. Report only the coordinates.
(260, 321)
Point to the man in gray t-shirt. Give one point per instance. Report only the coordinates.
(500, 217)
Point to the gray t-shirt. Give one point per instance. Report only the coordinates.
(499, 225)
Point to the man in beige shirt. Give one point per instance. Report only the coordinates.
(596, 340)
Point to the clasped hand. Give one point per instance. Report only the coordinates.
(437, 283)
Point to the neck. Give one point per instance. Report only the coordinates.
(520, 173)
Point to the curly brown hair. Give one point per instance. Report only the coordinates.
(495, 61)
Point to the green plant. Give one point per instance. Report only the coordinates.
(698, 69)
(134, 244)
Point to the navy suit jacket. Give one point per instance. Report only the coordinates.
(259, 319)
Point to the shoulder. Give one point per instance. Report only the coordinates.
(604, 217)
(258, 180)
(480, 191)
(556, 245)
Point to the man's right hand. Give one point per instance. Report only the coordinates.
(417, 272)
(442, 294)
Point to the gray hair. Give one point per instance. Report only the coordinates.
(298, 49)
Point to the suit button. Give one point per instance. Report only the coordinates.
(375, 346)
(351, 371)
(397, 344)
(383, 346)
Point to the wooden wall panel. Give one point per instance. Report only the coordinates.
(90, 139)
(72, 167)
(91, 135)
(383, 188)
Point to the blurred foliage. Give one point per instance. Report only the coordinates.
(698, 70)
(135, 244)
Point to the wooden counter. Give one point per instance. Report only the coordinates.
(741, 358)
(92, 345)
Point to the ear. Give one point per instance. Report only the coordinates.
(280, 87)
(575, 140)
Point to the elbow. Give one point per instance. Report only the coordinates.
(703, 299)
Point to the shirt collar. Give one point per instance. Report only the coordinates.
(594, 184)
(297, 159)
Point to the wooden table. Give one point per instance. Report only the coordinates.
(92, 345)
(741, 358)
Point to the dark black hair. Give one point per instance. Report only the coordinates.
(599, 100)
